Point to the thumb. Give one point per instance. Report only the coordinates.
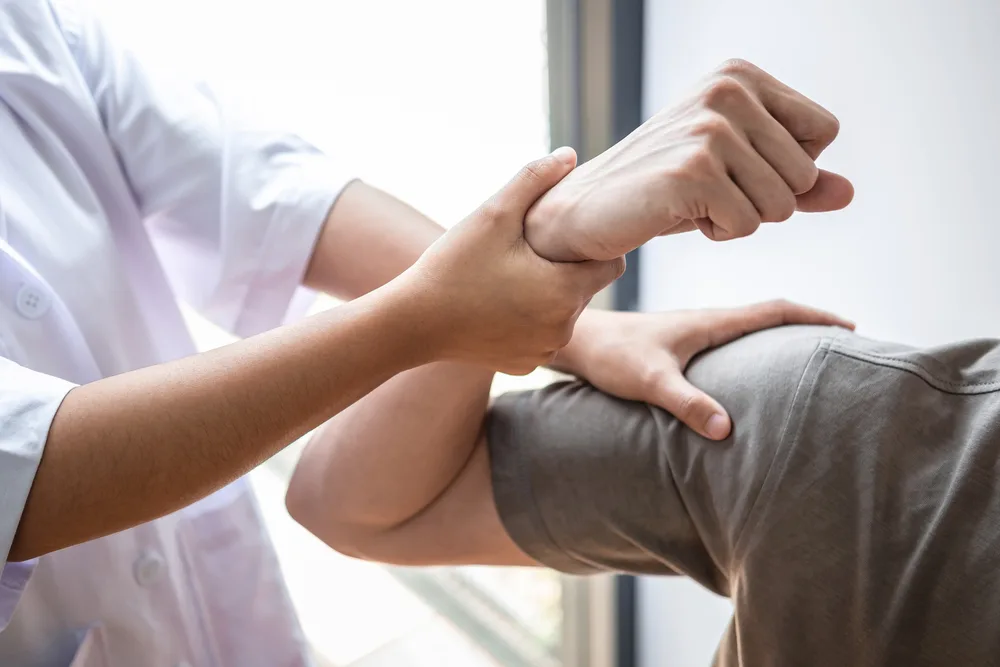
(695, 408)
(831, 192)
(534, 180)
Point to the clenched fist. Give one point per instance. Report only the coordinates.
(738, 152)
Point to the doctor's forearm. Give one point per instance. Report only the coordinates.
(130, 448)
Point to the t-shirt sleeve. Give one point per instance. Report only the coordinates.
(586, 483)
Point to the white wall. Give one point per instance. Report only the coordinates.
(916, 85)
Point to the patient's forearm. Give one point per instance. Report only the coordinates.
(386, 458)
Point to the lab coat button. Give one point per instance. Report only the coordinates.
(148, 568)
(32, 302)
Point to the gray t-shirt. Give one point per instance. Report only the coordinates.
(853, 516)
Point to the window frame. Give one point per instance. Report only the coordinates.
(595, 61)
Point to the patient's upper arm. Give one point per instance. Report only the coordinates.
(584, 482)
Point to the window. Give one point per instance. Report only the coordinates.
(438, 102)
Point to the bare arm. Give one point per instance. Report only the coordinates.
(371, 486)
(367, 484)
(410, 489)
(369, 238)
(136, 446)
(219, 416)
(738, 152)
(404, 477)
(129, 448)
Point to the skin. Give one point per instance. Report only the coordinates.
(130, 448)
(739, 151)
(125, 450)
(416, 489)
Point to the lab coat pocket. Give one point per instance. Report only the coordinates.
(92, 651)
(237, 585)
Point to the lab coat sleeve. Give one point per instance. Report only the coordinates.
(234, 210)
(28, 402)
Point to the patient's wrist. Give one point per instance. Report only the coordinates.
(549, 229)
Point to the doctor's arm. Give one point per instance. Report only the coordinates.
(130, 448)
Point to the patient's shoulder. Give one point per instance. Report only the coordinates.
(658, 478)
(771, 359)
(757, 377)
(963, 367)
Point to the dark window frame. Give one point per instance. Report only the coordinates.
(595, 54)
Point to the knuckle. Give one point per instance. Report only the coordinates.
(803, 179)
(559, 331)
(719, 235)
(563, 336)
(687, 404)
(492, 210)
(819, 129)
(533, 171)
(653, 380)
(725, 92)
(781, 209)
(699, 166)
(770, 308)
(618, 266)
(712, 128)
(735, 66)
(775, 309)
(744, 227)
(564, 308)
(785, 212)
(830, 126)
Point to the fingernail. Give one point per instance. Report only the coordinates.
(717, 426)
(564, 154)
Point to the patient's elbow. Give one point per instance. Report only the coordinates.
(297, 502)
(302, 507)
(306, 504)
(313, 513)
(308, 498)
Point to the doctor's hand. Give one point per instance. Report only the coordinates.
(488, 298)
(738, 152)
(642, 356)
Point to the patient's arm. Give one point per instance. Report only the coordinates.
(405, 475)
(739, 151)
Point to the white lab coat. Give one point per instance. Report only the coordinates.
(119, 196)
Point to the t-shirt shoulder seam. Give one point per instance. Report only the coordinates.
(925, 374)
(803, 389)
